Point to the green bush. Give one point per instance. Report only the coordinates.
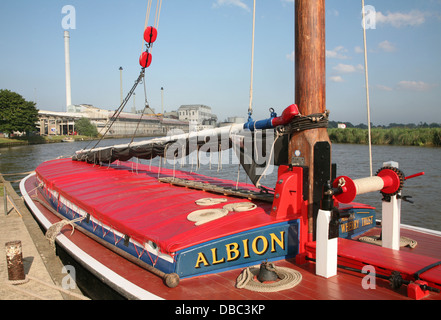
(393, 136)
(85, 128)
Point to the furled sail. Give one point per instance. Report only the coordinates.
(173, 146)
(257, 144)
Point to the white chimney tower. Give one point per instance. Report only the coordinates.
(67, 62)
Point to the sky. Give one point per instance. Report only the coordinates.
(203, 56)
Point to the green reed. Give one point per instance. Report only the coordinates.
(424, 137)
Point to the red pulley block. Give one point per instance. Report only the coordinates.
(150, 34)
(145, 59)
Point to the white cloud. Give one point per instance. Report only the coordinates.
(358, 49)
(337, 53)
(236, 3)
(348, 68)
(398, 19)
(291, 56)
(383, 88)
(387, 46)
(415, 86)
(335, 12)
(336, 79)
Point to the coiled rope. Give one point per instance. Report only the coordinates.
(289, 278)
(404, 241)
(210, 201)
(206, 215)
(240, 206)
(312, 121)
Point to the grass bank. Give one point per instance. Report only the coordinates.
(422, 137)
(4, 142)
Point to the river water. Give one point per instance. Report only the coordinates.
(351, 160)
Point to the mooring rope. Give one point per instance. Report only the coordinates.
(53, 231)
(289, 278)
(14, 283)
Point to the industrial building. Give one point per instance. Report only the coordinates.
(199, 116)
(63, 123)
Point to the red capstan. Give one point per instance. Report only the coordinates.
(287, 115)
(388, 180)
(145, 59)
(150, 34)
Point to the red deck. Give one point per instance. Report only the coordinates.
(347, 285)
(357, 255)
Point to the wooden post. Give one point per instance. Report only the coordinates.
(5, 200)
(310, 94)
(14, 261)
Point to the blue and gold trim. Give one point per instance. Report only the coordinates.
(273, 242)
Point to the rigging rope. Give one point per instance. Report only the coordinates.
(120, 109)
(367, 87)
(157, 15)
(250, 108)
(149, 48)
(141, 77)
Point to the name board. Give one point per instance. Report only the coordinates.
(361, 220)
(246, 248)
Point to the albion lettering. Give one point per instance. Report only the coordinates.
(235, 250)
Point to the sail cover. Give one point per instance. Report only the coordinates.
(172, 146)
(256, 150)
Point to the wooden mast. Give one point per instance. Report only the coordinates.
(311, 148)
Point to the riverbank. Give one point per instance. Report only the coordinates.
(4, 142)
(420, 137)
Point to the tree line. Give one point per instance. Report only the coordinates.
(422, 137)
(19, 115)
(334, 124)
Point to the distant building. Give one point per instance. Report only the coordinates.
(341, 126)
(232, 120)
(199, 116)
(63, 123)
(171, 115)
